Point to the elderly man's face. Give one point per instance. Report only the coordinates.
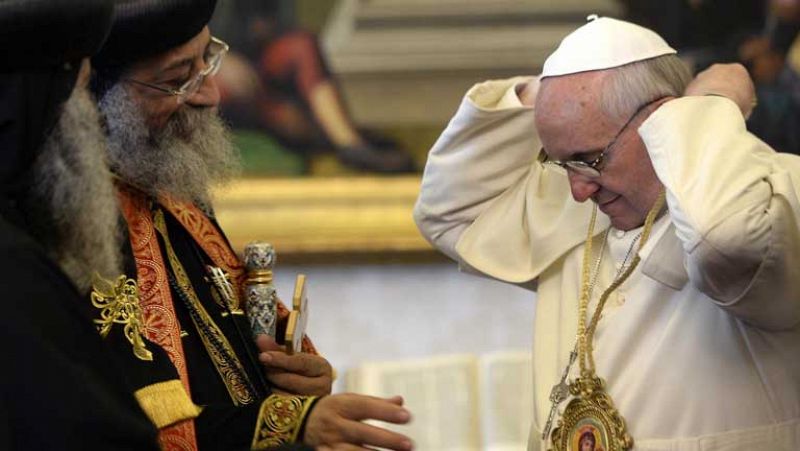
(572, 126)
(170, 70)
(159, 145)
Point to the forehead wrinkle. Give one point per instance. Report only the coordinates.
(569, 116)
(575, 94)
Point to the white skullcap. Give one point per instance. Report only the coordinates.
(604, 43)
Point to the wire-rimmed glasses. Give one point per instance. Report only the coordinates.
(213, 60)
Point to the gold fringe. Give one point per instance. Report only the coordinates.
(166, 403)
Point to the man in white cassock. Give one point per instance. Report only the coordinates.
(660, 236)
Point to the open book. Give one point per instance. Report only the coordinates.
(458, 402)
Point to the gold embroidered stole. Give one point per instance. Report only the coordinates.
(219, 349)
(214, 244)
(160, 322)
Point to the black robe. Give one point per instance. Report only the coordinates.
(62, 387)
(221, 425)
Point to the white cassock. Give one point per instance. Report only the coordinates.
(701, 346)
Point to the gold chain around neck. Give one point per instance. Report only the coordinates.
(586, 331)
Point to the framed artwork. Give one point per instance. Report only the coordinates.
(318, 183)
(326, 219)
(334, 105)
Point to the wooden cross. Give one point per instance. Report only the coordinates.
(298, 317)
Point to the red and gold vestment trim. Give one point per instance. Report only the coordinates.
(160, 322)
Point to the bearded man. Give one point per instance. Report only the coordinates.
(167, 146)
(61, 386)
(661, 238)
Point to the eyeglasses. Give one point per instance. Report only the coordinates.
(213, 60)
(591, 169)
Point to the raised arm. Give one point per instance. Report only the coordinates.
(485, 200)
(487, 147)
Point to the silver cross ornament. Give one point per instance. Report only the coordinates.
(558, 394)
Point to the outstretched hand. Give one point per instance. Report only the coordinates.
(298, 374)
(726, 80)
(335, 423)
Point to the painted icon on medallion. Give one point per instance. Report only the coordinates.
(588, 435)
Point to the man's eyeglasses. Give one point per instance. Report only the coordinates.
(591, 169)
(213, 60)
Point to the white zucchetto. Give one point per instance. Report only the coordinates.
(604, 43)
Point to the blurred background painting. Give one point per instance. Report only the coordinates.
(325, 87)
(286, 106)
(335, 104)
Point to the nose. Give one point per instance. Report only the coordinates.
(84, 73)
(582, 187)
(208, 94)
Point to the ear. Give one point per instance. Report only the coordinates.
(527, 91)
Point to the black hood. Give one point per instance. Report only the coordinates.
(145, 28)
(43, 42)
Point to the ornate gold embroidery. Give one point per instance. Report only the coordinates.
(217, 248)
(591, 413)
(216, 344)
(119, 304)
(280, 419)
(161, 324)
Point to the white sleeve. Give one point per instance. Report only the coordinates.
(480, 154)
(734, 204)
(483, 188)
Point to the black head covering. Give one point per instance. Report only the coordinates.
(43, 42)
(37, 34)
(145, 28)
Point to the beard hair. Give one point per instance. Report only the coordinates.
(190, 154)
(71, 206)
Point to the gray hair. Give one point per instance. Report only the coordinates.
(192, 153)
(628, 87)
(71, 206)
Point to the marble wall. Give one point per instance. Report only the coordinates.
(408, 62)
(366, 313)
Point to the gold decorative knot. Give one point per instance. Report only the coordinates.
(119, 304)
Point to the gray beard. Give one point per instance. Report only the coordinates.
(191, 154)
(71, 206)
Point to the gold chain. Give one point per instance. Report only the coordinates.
(586, 332)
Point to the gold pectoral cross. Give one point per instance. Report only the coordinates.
(221, 281)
